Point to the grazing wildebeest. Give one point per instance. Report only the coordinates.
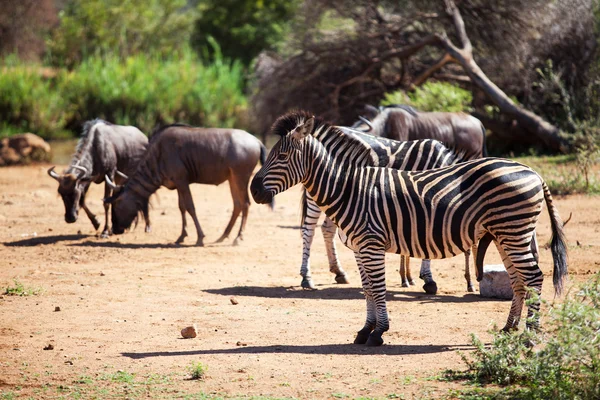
(181, 154)
(458, 131)
(104, 149)
(429, 214)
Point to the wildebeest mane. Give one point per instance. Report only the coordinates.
(411, 110)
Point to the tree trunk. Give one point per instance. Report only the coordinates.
(545, 132)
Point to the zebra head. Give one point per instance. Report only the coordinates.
(284, 167)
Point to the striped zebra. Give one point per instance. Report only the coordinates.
(413, 155)
(427, 214)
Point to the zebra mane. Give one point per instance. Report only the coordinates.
(290, 121)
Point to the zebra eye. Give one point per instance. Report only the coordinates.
(282, 156)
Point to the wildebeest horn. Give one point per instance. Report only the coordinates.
(53, 174)
(109, 182)
(372, 109)
(122, 175)
(84, 169)
(366, 121)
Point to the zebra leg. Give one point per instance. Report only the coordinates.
(405, 277)
(470, 287)
(363, 335)
(309, 224)
(373, 262)
(525, 275)
(329, 229)
(430, 287)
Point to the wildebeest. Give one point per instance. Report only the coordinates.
(181, 154)
(104, 149)
(458, 131)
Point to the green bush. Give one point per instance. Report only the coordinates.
(433, 96)
(567, 365)
(141, 90)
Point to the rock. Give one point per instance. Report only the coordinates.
(49, 347)
(57, 308)
(23, 149)
(241, 344)
(495, 282)
(189, 332)
(233, 300)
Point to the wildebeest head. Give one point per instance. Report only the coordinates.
(126, 205)
(72, 188)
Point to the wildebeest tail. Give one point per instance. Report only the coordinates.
(263, 158)
(558, 244)
(484, 152)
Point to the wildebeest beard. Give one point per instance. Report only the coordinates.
(127, 208)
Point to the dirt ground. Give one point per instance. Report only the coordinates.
(124, 300)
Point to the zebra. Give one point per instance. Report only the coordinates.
(428, 214)
(412, 155)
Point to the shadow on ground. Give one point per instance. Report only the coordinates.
(343, 293)
(37, 240)
(350, 349)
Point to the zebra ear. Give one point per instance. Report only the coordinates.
(304, 129)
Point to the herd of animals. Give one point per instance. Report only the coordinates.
(400, 181)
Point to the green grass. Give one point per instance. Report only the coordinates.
(564, 364)
(19, 289)
(563, 174)
(197, 371)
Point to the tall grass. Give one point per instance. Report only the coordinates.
(142, 90)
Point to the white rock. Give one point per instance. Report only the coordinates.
(495, 282)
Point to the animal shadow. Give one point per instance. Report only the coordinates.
(37, 240)
(349, 349)
(342, 293)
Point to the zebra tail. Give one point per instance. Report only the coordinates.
(263, 159)
(558, 244)
(484, 152)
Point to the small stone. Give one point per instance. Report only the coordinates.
(241, 344)
(189, 332)
(69, 362)
(495, 282)
(56, 309)
(233, 300)
(79, 232)
(49, 347)
(102, 273)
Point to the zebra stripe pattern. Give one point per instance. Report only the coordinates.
(413, 155)
(430, 214)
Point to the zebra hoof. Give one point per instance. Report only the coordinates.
(405, 284)
(341, 278)
(362, 336)
(412, 283)
(470, 289)
(307, 284)
(96, 224)
(374, 339)
(430, 288)
(104, 235)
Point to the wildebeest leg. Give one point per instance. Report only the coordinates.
(188, 202)
(329, 229)
(148, 229)
(239, 195)
(107, 193)
(470, 287)
(405, 277)
(90, 214)
(183, 220)
(430, 287)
